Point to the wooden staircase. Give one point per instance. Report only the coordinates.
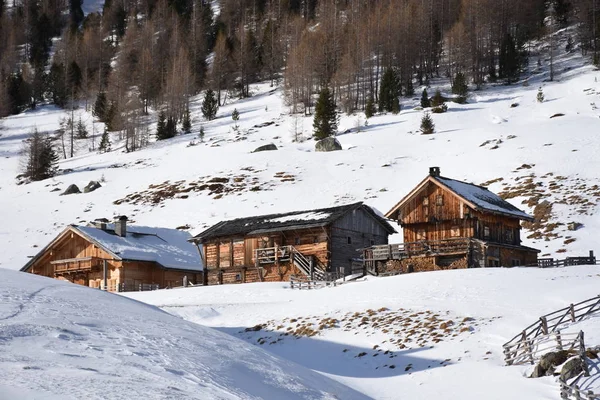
(308, 265)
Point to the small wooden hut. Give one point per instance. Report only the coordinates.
(320, 244)
(118, 257)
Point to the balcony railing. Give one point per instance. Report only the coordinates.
(76, 265)
(414, 249)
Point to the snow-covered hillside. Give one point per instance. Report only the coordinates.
(63, 341)
(434, 335)
(528, 151)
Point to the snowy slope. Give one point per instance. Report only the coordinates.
(62, 341)
(537, 157)
(498, 303)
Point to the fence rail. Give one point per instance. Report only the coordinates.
(566, 262)
(412, 249)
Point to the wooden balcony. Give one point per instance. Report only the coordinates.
(417, 249)
(72, 265)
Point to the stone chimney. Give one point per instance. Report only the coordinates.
(121, 226)
(434, 171)
(100, 223)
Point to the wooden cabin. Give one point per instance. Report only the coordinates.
(319, 244)
(119, 257)
(452, 224)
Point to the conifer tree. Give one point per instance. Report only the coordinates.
(187, 121)
(508, 60)
(171, 128)
(437, 99)
(326, 119)
(161, 127)
(459, 87)
(389, 91)
(39, 157)
(409, 90)
(235, 115)
(104, 141)
(201, 134)
(427, 125)
(370, 108)
(425, 102)
(82, 132)
(100, 107)
(540, 95)
(210, 105)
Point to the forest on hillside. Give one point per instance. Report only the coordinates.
(132, 56)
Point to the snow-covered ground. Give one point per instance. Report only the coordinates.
(493, 305)
(63, 341)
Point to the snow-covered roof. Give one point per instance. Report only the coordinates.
(482, 198)
(167, 247)
(286, 221)
(478, 197)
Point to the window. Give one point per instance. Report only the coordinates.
(238, 277)
(425, 201)
(349, 240)
(486, 232)
(421, 235)
(509, 236)
(439, 200)
(426, 207)
(297, 241)
(455, 231)
(372, 241)
(516, 263)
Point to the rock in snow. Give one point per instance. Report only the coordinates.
(328, 144)
(266, 147)
(72, 189)
(93, 185)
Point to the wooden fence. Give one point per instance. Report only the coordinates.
(520, 344)
(544, 335)
(567, 262)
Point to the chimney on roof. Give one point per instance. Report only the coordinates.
(434, 171)
(121, 226)
(100, 223)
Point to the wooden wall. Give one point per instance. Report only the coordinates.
(355, 231)
(438, 214)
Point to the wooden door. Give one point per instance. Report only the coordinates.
(251, 245)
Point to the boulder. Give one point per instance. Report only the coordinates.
(266, 147)
(72, 189)
(538, 372)
(328, 144)
(571, 369)
(93, 185)
(553, 359)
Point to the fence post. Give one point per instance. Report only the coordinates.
(558, 341)
(544, 322)
(564, 390)
(507, 356)
(530, 351)
(572, 312)
(586, 370)
(590, 395)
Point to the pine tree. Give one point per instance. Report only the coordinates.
(56, 85)
(187, 121)
(389, 91)
(100, 107)
(459, 87)
(396, 107)
(326, 119)
(235, 115)
(427, 125)
(540, 95)
(104, 141)
(82, 132)
(39, 157)
(508, 60)
(425, 102)
(210, 105)
(437, 99)
(370, 108)
(171, 128)
(201, 134)
(161, 127)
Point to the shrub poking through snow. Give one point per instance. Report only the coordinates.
(427, 125)
(540, 95)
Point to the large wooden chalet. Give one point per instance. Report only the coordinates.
(316, 244)
(452, 224)
(118, 257)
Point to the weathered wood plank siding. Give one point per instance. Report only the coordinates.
(355, 231)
